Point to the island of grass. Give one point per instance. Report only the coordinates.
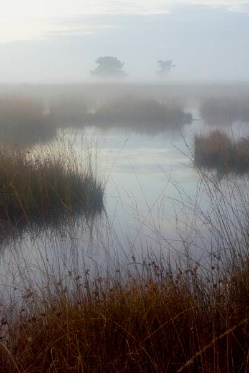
(40, 190)
(142, 113)
(217, 151)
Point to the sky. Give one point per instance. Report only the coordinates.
(58, 41)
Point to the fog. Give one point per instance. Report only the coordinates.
(58, 42)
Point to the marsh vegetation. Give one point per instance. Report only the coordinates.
(26, 120)
(167, 296)
(217, 151)
(142, 113)
(154, 313)
(45, 190)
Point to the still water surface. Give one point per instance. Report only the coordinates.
(154, 202)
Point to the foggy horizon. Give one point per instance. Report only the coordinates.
(60, 42)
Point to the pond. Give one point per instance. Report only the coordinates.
(156, 203)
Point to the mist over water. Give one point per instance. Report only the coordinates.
(154, 197)
(144, 95)
(124, 186)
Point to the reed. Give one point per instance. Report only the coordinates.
(217, 151)
(34, 188)
(145, 316)
(139, 112)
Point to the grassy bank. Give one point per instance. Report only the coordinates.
(219, 152)
(155, 322)
(36, 189)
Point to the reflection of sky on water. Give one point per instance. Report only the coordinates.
(153, 200)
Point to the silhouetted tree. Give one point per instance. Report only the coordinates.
(109, 67)
(165, 67)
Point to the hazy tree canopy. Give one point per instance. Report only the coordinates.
(109, 67)
(165, 67)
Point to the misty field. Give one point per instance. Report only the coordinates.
(82, 298)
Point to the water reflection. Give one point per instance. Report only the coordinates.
(155, 202)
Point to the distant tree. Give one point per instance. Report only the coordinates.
(165, 67)
(109, 67)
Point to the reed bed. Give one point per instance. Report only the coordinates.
(147, 315)
(27, 120)
(34, 189)
(219, 152)
(137, 112)
(158, 322)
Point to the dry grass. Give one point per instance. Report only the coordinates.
(147, 315)
(27, 120)
(138, 113)
(34, 189)
(150, 315)
(144, 317)
(219, 152)
(142, 113)
(158, 322)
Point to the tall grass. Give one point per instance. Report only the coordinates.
(142, 113)
(139, 113)
(27, 120)
(40, 189)
(148, 315)
(158, 322)
(219, 152)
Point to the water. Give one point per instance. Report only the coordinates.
(153, 203)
